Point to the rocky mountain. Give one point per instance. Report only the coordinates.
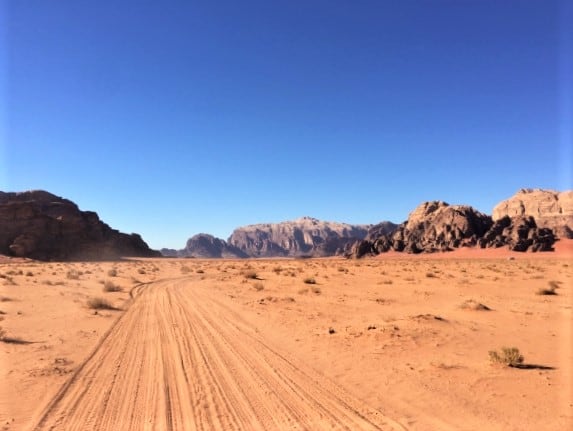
(40, 225)
(305, 236)
(438, 226)
(548, 208)
(207, 246)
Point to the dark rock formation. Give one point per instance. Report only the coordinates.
(40, 225)
(437, 226)
(550, 209)
(302, 237)
(519, 234)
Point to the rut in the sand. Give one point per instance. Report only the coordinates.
(180, 359)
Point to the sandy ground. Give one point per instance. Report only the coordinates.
(379, 343)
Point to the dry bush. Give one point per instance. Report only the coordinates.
(185, 269)
(548, 290)
(200, 271)
(73, 274)
(251, 275)
(110, 286)
(316, 290)
(430, 275)
(471, 304)
(141, 271)
(309, 280)
(509, 356)
(112, 272)
(99, 304)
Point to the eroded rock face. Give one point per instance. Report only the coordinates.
(207, 246)
(437, 226)
(518, 234)
(549, 209)
(306, 236)
(40, 225)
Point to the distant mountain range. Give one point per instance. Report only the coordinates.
(532, 220)
(40, 225)
(305, 236)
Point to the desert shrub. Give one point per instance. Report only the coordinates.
(200, 271)
(472, 304)
(509, 356)
(141, 271)
(185, 269)
(309, 280)
(73, 274)
(258, 286)
(29, 274)
(430, 275)
(316, 290)
(251, 275)
(99, 304)
(110, 286)
(548, 290)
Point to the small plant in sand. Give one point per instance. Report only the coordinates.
(73, 274)
(110, 286)
(100, 304)
(185, 269)
(112, 272)
(508, 356)
(309, 280)
(473, 305)
(548, 290)
(251, 275)
(200, 271)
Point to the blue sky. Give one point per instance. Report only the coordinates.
(171, 118)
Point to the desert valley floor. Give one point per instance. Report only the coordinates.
(390, 343)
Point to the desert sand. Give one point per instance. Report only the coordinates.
(379, 343)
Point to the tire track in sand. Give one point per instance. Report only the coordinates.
(181, 359)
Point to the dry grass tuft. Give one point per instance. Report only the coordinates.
(100, 304)
(509, 356)
(473, 305)
(548, 290)
(110, 286)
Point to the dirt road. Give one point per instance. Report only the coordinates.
(181, 358)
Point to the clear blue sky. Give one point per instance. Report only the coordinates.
(171, 118)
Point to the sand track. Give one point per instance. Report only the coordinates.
(181, 358)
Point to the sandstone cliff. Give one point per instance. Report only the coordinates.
(548, 208)
(40, 225)
(305, 236)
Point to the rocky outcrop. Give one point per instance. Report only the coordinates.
(518, 234)
(382, 228)
(437, 226)
(207, 246)
(40, 225)
(549, 209)
(306, 236)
